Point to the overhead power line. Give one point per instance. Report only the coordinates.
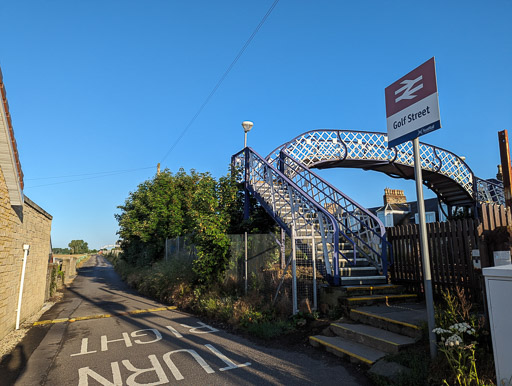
(88, 174)
(240, 53)
(90, 178)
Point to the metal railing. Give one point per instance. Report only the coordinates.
(318, 146)
(354, 220)
(292, 208)
(489, 192)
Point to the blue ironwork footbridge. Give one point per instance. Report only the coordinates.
(346, 241)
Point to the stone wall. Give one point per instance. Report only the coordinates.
(22, 225)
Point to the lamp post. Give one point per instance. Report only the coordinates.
(247, 125)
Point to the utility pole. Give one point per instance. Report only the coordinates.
(505, 166)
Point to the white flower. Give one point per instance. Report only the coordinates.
(453, 340)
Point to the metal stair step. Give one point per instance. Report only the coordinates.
(355, 352)
(358, 271)
(360, 262)
(380, 339)
(359, 280)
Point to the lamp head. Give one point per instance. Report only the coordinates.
(247, 125)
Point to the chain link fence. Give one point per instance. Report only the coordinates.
(180, 248)
(268, 270)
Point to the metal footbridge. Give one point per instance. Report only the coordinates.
(346, 241)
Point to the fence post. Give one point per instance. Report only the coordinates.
(165, 256)
(294, 273)
(283, 249)
(245, 263)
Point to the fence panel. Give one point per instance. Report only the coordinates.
(450, 245)
(180, 248)
(263, 265)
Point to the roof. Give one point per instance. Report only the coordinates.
(431, 205)
(9, 157)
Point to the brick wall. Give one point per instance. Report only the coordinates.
(28, 225)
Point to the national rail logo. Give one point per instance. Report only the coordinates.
(412, 107)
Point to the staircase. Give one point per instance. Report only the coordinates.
(346, 242)
(375, 331)
(363, 234)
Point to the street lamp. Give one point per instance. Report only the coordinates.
(247, 125)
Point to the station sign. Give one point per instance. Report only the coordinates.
(412, 106)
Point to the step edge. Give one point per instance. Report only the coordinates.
(382, 297)
(375, 337)
(373, 288)
(344, 351)
(405, 324)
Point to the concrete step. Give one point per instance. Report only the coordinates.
(356, 352)
(379, 289)
(358, 271)
(374, 337)
(375, 299)
(405, 320)
(363, 280)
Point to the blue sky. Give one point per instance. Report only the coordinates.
(98, 86)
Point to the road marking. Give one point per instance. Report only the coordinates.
(101, 316)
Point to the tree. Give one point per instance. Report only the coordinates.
(61, 251)
(171, 205)
(78, 246)
(160, 208)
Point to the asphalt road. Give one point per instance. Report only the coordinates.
(150, 348)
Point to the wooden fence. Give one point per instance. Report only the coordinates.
(450, 245)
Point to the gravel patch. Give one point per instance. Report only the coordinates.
(9, 342)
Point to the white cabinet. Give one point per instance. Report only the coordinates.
(498, 283)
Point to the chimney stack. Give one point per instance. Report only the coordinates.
(394, 196)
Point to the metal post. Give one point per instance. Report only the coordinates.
(283, 249)
(294, 274)
(246, 185)
(427, 278)
(245, 263)
(313, 257)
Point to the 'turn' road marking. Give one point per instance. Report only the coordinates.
(101, 316)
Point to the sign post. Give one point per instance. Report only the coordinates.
(412, 110)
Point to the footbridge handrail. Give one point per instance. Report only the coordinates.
(355, 220)
(319, 148)
(259, 174)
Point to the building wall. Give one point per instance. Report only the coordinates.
(31, 225)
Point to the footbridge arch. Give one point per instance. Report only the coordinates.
(444, 172)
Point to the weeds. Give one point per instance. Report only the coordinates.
(175, 282)
(464, 352)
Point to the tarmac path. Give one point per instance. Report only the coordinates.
(107, 334)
